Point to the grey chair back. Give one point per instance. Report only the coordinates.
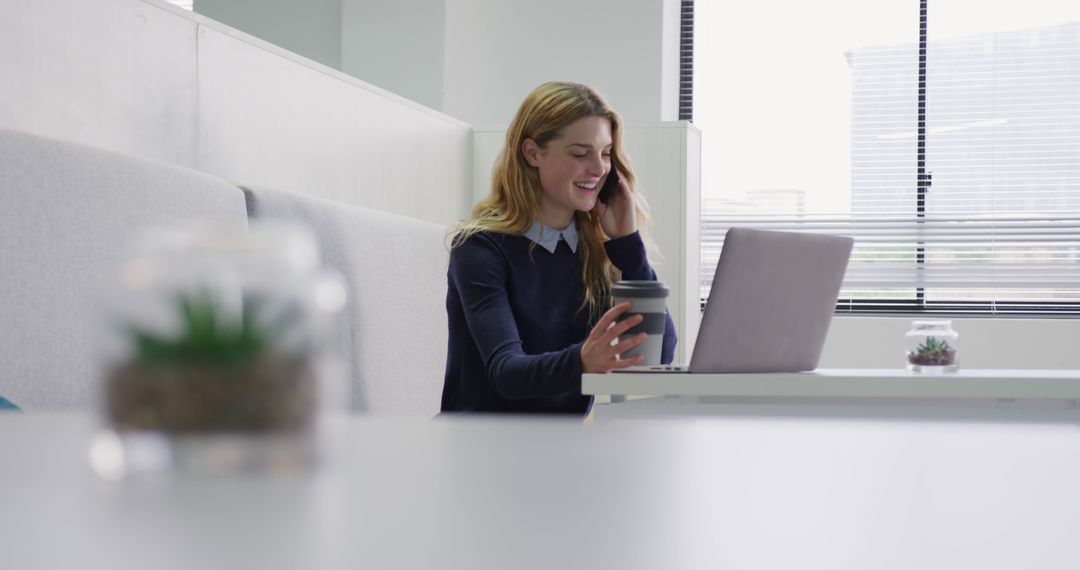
(66, 214)
(395, 328)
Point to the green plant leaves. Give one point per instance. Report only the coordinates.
(208, 337)
(933, 344)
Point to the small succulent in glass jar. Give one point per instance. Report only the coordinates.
(218, 373)
(933, 352)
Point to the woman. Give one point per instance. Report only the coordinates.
(531, 271)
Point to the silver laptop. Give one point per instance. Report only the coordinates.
(772, 299)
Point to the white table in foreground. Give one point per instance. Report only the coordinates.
(501, 493)
(1051, 395)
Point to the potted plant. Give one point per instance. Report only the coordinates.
(217, 374)
(219, 347)
(933, 352)
(932, 346)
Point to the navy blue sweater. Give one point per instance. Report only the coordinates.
(515, 326)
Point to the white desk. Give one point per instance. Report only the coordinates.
(499, 493)
(1049, 395)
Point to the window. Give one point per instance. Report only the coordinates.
(943, 135)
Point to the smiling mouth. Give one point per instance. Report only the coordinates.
(586, 186)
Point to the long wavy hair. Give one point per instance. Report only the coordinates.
(514, 202)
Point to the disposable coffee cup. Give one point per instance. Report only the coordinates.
(649, 299)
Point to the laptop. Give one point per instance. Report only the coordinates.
(772, 299)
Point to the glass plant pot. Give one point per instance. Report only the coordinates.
(932, 346)
(217, 335)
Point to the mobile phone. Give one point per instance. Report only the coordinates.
(611, 185)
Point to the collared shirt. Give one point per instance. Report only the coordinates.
(547, 237)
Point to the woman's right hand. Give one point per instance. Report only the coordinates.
(598, 355)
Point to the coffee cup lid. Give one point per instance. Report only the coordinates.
(632, 289)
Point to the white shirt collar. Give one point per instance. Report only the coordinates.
(547, 237)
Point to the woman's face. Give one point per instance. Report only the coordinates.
(572, 168)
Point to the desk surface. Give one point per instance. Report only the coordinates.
(502, 494)
(855, 383)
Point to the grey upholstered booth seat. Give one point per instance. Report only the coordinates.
(395, 269)
(66, 213)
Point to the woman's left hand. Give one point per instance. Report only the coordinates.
(618, 218)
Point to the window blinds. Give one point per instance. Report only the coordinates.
(686, 60)
(997, 228)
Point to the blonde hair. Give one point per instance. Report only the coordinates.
(514, 202)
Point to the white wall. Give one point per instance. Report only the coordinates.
(477, 59)
(311, 28)
(671, 28)
(115, 74)
(274, 121)
(396, 45)
(497, 51)
(145, 78)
